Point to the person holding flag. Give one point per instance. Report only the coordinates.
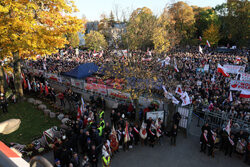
(126, 137)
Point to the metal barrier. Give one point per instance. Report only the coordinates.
(186, 117)
(220, 119)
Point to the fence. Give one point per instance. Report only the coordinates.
(186, 117)
(220, 119)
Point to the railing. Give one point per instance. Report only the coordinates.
(220, 119)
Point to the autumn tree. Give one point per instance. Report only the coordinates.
(204, 17)
(238, 20)
(140, 29)
(139, 79)
(95, 41)
(182, 18)
(29, 27)
(212, 34)
(73, 39)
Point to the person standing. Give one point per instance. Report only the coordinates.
(230, 144)
(136, 134)
(204, 141)
(4, 103)
(211, 144)
(93, 156)
(174, 135)
(177, 118)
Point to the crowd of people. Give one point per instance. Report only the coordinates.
(91, 135)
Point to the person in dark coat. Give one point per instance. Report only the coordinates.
(230, 145)
(65, 157)
(177, 118)
(211, 144)
(174, 135)
(204, 141)
(93, 156)
(75, 160)
(136, 133)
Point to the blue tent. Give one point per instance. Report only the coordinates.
(82, 71)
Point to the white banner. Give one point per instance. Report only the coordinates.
(239, 85)
(233, 69)
(99, 88)
(206, 67)
(243, 77)
(118, 94)
(155, 115)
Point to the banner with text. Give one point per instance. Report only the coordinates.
(233, 69)
(118, 94)
(239, 85)
(99, 88)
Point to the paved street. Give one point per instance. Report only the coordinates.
(185, 154)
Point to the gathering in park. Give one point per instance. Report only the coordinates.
(81, 93)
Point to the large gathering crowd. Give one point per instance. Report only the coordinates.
(90, 136)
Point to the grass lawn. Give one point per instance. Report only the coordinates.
(33, 123)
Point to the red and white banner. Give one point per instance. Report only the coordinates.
(233, 69)
(243, 77)
(222, 70)
(239, 85)
(99, 88)
(77, 83)
(185, 99)
(245, 94)
(118, 94)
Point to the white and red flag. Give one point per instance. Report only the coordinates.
(200, 38)
(126, 136)
(185, 99)
(228, 127)
(245, 94)
(79, 113)
(176, 68)
(179, 90)
(208, 44)
(222, 70)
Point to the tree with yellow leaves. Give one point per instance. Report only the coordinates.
(73, 39)
(140, 29)
(182, 18)
(32, 27)
(95, 41)
(212, 34)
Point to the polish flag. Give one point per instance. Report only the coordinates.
(126, 136)
(79, 113)
(228, 127)
(200, 38)
(230, 96)
(208, 44)
(176, 68)
(179, 90)
(245, 94)
(185, 99)
(46, 90)
(24, 82)
(41, 88)
(221, 69)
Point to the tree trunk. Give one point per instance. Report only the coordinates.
(1, 80)
(17, 74)
(171, 111)
(137, 109)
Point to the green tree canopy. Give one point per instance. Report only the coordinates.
(95, 41)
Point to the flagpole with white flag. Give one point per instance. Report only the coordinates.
(230, 96)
